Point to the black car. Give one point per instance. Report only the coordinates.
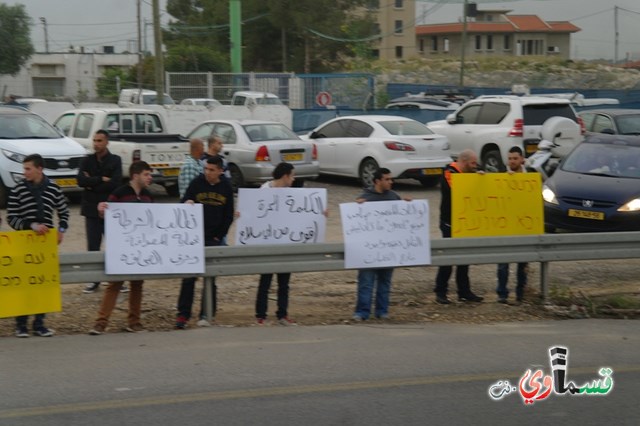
(612, 121)
(596, 187)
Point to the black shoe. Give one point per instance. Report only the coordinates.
(470, 298)
(442, 300)
(503, 300)
(91, 288)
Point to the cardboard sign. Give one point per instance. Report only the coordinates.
(29, 273)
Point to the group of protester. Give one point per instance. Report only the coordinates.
(204, 179)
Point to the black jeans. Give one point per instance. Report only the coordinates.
(38, 321)
(263, 295)
(94, 228)
(185, 299)
(444, 273)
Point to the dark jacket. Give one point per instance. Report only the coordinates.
(445, 189)
(95, 190)
(217, 205)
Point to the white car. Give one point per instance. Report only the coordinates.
(254, 148)
(356, 146)
(208, 102)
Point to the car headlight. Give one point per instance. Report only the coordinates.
(631, 206)
(548, 195)
(14, 156)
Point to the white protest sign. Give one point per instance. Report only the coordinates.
(281, 216)
(382, 234)
(144, 238)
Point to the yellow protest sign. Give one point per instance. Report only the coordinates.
(496, 204)
(29, 273)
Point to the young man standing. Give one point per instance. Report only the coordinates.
(378, 277)
(216, 196)
(214, 149)
(515, 164)
(283, 177)
(467, 163)
(31, 205)
(134, 192)
(99, 174)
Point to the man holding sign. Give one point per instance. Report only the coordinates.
(31, 205)
(467, 162)
(378, 277)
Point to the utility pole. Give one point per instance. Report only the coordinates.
(139, 50)
(159, 62)
(46, 34)
(235, 21)
(615, 25)
(463, 46)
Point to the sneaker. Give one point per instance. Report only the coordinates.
(91, 288)
(43, 331)
(503, 300)
(286, 321)
(22, 332)
(383, 317)
(442, 300)
(97, 330)
(135, 328)
(470, 298)
(181, 323)
(261, 321)
(357, 318)
(124, 289)
(203, 323)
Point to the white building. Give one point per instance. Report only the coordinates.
(70, 75)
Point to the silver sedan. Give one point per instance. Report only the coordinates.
(254, 148)
(356, 146)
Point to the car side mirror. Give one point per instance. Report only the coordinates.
(453, 119)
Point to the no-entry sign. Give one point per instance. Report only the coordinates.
(323, 98)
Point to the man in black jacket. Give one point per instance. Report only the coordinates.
(99, 174)
(215, 194)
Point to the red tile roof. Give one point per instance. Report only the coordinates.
(515, 24)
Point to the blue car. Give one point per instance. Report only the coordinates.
(596, 187)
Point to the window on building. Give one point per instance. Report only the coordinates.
(489, 42)
(421, 45)
(446, 45)
(375, 53)
(47, 69)
(434, 43)
(398, 26)
(398, 52)
(373, 4)
(399, 4)
(478, 42)
(376, 28)
(506, 42)
(43, 87)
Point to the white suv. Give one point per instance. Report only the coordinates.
(491, 125)
(23, 133)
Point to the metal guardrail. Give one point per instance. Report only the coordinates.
(246, 260)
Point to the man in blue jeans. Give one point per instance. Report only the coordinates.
(515, 164)
(378, 277)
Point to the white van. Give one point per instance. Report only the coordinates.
(134, 97)
(249, 97)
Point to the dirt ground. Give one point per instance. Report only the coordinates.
(329, 297)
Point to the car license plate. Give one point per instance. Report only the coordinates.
(431, 172)
(65, 183)
(170, 172)
(585, 214)
(292, 157)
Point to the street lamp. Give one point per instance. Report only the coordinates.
(46, 34)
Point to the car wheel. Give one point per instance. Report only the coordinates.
(492, 161)
(237, 180)
(367, 169)
(3, 195)
(429, 182)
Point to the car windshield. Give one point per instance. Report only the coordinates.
(263, 100)
(628, 124)
(405, 128)
(25, 126)
(269, 132)
(152, 100)
(615, 159)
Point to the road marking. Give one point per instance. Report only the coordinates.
(119, 404)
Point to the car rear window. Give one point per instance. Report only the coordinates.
(536, 115)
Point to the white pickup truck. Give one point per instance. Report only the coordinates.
(135, 134)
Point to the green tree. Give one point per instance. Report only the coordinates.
(16, 47)
(107, 86)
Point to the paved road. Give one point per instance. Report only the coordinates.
(328, 375)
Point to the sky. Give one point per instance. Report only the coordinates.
(96, 23)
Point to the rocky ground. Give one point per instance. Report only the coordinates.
(329, 297)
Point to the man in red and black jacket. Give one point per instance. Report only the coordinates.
(467, 162)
